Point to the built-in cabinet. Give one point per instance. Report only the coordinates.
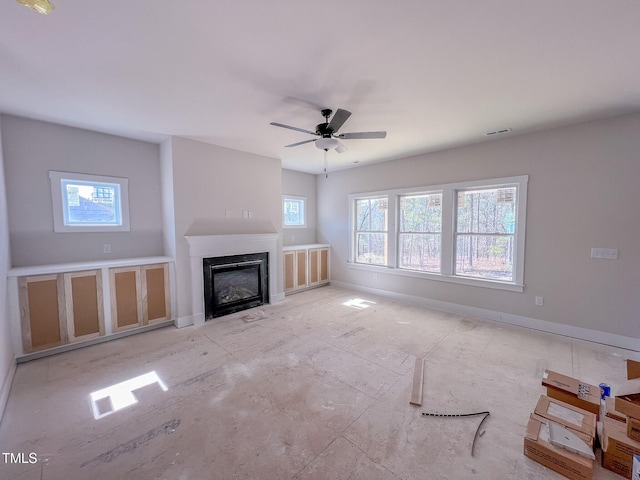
(60, 308)
(69, 307)
(295, 270)
(318, 266)
(305, 266)
(139, 295)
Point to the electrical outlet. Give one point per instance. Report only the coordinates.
(540, 301)
(106, 248)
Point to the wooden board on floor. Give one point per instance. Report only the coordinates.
(418, 379)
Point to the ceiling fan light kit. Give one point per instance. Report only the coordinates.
(328, 132)
(41, 6)
(327, 143)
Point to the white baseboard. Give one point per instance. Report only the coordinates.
(277, 297)
(6, 387)
(628, 343)
(185, 321)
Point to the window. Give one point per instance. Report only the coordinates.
(89, 203)
(294, 211)
(371, 230)
(470, 233)
(485, 233)
(419, 238)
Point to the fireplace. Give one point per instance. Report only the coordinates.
(235, 282)
(211, 246)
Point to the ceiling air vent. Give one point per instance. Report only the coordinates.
(498, 132)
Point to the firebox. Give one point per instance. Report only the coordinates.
(234, 283)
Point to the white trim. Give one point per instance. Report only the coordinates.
(6, 387)
(304, 210)
(80, 266)
(605, 338)
(185, 321)
(204, 246)
(448, 256)
(94, 341)
(459, 279)
(58, 203)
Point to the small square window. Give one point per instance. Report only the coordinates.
(293, 213)
(89, 203)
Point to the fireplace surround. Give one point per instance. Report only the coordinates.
(208, 246)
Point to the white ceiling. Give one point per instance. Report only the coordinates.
(434, 74)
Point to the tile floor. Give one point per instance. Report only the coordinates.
(315, 387)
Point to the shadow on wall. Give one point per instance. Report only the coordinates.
(230, 226)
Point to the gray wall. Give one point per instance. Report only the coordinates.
(583, 193)
(32, 148)
(302, 185)
(7, 362)
(208, 181)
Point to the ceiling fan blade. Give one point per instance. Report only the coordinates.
(341, 148)
(300, 143)
(338, 120)
(362, 135)
(275, 124)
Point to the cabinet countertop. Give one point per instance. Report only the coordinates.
(79, 266)
(289, 248)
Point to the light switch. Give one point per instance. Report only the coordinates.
(608, 253)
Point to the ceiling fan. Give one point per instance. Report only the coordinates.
(328, 131)
(40, 6)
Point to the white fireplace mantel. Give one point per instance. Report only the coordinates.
(205, 246)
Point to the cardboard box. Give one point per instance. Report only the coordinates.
(538, 448)
(633, 429)
(617, 465)
(611, 412)
(615, 441)
(633, 369)
(566, 414)
(572, 391)
(636, 468)
(582, 436)
(628, 398)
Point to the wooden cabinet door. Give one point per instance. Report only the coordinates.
(289, 271)
(324, 265)
(295, 270)
(301, 268)
(126, 298)
(42, 308)
(156, 306)
(314, 274)
(318, 266)
(84, 305)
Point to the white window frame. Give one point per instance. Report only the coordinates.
(449, 206)
(391, 240)
(58, 202)
(304, 210)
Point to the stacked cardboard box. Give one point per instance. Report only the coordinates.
(537, 442)
(618, 428)
(621, 425)
(573, 391)
(618, 449)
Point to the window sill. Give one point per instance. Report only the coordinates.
(475, 282)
